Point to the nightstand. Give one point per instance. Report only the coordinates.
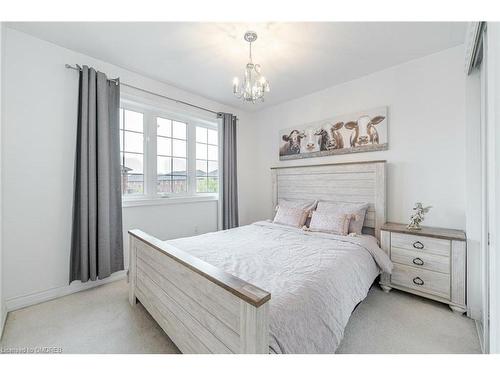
(430, 262)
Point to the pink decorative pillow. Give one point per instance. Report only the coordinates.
(339, 208)
(294, 217)
(330, 223)
(308, 205)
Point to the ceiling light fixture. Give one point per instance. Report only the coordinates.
(254, 84)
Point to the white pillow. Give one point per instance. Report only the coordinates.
(306, 205)
(330, 223)
(294, 217)
(341, 208)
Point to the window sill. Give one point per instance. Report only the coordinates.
(168, 200)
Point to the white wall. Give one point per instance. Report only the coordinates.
(3, 311)
(171, 221)
(426, 159)
(38, 149)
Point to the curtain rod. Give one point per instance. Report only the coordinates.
(117, 81)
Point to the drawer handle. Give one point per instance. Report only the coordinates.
(418, 262)
(418, 281)
(418, 245)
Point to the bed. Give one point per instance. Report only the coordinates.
(212, 293)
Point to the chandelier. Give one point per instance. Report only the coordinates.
(254, 84)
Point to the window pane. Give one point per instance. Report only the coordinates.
(201, 168)
(172, 171)
(179, 167)
(179, 184)
(164, 127)
(201, 151)
(132, 180)
(179, 130)
(201, 185)
(201, 134)
(212, 137)
(132, 183)
(212, 185)
(134, 162)
(164, 184)
(131, 155)
(213, 168)
(121, 118)
(163, 165)
(179, 148)
(121, 140)
(133, 121)
(163, 146)
(213, 153)
(133, 142)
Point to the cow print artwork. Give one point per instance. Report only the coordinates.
(358, 132)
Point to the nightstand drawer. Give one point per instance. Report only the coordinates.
(421, 243)
(420, 259)
(423, 280)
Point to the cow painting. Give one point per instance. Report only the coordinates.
(372, 131)
(329, 137)
(292, 143)
(312, 140)
(363, 131)
(336, 141)
(358, 132)
(323, 139)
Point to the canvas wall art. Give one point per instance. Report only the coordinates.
(356, 132)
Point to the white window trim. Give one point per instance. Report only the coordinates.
(172, 200)
(151, 111)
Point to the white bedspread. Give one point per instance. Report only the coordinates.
(315, 279)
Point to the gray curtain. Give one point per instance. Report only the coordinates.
(229, 172)
(97, 240)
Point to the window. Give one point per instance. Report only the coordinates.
(171, 151)
(132, 151)
(207, 156)
(165, 154)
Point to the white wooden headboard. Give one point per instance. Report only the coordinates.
(341, 182)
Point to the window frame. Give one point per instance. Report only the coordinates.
(144, 156)
(152, 110)
(206, 159)
(154, 118)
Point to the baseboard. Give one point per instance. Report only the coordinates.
(480, 334)
(17, 303)
(3, 319)
(474, 313)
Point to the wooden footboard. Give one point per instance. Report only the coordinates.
(201, 308)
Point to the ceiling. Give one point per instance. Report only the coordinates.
(296, 58)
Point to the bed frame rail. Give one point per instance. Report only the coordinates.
(201, 308)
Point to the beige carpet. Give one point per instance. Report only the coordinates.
(401, 323)
(100, 320)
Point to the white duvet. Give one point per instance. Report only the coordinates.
(315, 279)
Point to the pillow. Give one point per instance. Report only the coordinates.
(338, 208)
(306, 205)
(294, 217)
(330, 223)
